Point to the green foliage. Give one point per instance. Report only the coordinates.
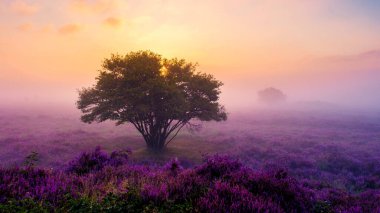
(127, 202)
(26, 205)
(81, 205)
(181, 207)
(158, 96)
(323, 207)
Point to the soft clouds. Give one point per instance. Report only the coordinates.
(25, 27)
(69, 29)
(246, 43)
(22, 8)
(92, 6)
(112, 22)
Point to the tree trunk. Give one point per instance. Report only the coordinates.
(156, 135)
(155, 143)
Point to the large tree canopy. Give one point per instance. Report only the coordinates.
(158, 96)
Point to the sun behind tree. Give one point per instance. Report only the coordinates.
(158, 96)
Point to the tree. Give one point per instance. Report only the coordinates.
(158, 96)
(271, 96)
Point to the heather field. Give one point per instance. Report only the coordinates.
(258, 161)
(190, 106)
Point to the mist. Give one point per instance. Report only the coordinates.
(285, 116)
(341, 83)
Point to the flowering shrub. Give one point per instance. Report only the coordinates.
(36, 184)
(217, 166)
(119, 158)
(173, 167)
(224, 197)
(96, 160)
(155, 194)
(220, 184)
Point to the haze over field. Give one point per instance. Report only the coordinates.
(325, 51)
(280, 114)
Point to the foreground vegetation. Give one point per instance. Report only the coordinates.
(101, 182)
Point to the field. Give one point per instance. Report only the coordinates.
(321, 149)
(341, 149)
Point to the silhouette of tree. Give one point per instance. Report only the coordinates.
(271, 96)
(158, 96)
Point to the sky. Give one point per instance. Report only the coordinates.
(325, 50)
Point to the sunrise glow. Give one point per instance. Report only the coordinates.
(49, 49)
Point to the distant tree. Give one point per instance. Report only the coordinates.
(158, 96)
(271, 96)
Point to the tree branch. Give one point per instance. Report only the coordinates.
(183, 124)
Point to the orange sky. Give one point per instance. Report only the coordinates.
(313, 50)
